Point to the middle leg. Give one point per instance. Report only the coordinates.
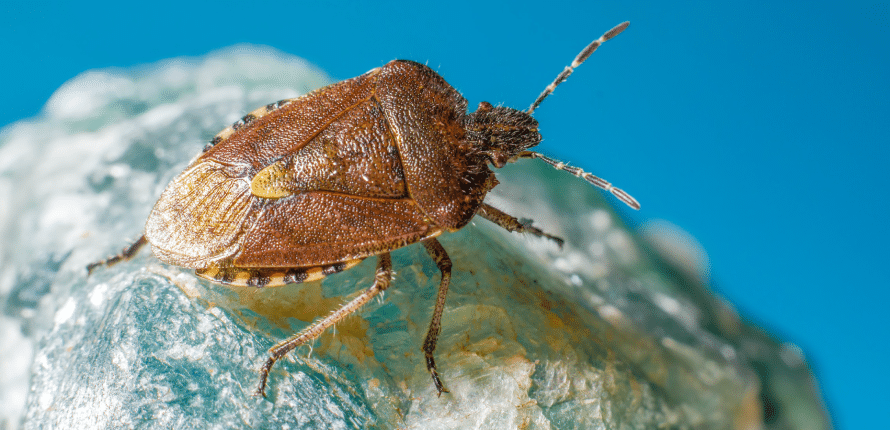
(443, 262)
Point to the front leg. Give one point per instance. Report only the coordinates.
(510, 223)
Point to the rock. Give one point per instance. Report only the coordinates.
(604, 333)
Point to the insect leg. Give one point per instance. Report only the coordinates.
(125, 254)
(435, 249)
(510, 223)
(382, 280)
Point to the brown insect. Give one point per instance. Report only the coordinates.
(307, 187)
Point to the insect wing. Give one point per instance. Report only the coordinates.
(355, 154)
(318, 181)
(270, 133)
(318, 228)
(199, 217)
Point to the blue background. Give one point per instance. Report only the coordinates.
(760, 127)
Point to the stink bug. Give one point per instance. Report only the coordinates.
(303, 188)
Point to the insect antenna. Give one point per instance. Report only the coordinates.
(578, 60)
(593, 179)
(559, 165)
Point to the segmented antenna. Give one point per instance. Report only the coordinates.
(559, 165)
(578, 60)
(595, 180)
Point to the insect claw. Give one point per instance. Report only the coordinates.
(260, 392)
(264, 376)
(92, 266)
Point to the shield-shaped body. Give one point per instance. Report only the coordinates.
(320, 182)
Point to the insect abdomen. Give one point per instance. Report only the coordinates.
(271, 277)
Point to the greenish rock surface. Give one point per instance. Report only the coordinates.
(617, 330)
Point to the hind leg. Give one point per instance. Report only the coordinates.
(381, 282)
(125, 254)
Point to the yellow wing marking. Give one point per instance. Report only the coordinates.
(271, 182)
